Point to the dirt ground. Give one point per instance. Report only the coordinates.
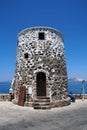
(72, 117)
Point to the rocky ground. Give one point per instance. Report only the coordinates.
(73, 117)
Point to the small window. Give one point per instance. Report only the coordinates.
(26, 55)
(41, 36)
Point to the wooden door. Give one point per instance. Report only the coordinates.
(22, 95)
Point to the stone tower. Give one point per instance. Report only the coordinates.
(40, 77)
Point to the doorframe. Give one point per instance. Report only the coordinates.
(35, 80)
(44, 76)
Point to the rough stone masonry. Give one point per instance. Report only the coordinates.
(41, 67)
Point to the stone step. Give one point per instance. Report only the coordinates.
(42, 103)
(42, 99)
(42, 107)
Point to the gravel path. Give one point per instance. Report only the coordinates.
(73, 117)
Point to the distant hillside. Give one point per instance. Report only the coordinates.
(75, 80)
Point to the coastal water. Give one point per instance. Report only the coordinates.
(4, 87)
(76, 87)
(73, 87)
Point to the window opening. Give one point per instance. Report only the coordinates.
(26, 55)
(41, 36)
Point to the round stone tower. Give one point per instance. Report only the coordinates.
(41, 76)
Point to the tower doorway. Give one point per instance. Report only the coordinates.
(41, 84)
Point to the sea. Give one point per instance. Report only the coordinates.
(73, 87)
(4, 87)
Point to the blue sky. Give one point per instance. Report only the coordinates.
(68, 16)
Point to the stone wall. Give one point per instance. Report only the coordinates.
(4, 97)
(61, 103)
(36, 55)
(80, 96)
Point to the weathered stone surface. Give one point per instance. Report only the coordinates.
(61, 103)
(45, 55)
(4, 97)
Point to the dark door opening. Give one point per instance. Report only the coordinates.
(41, 84)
